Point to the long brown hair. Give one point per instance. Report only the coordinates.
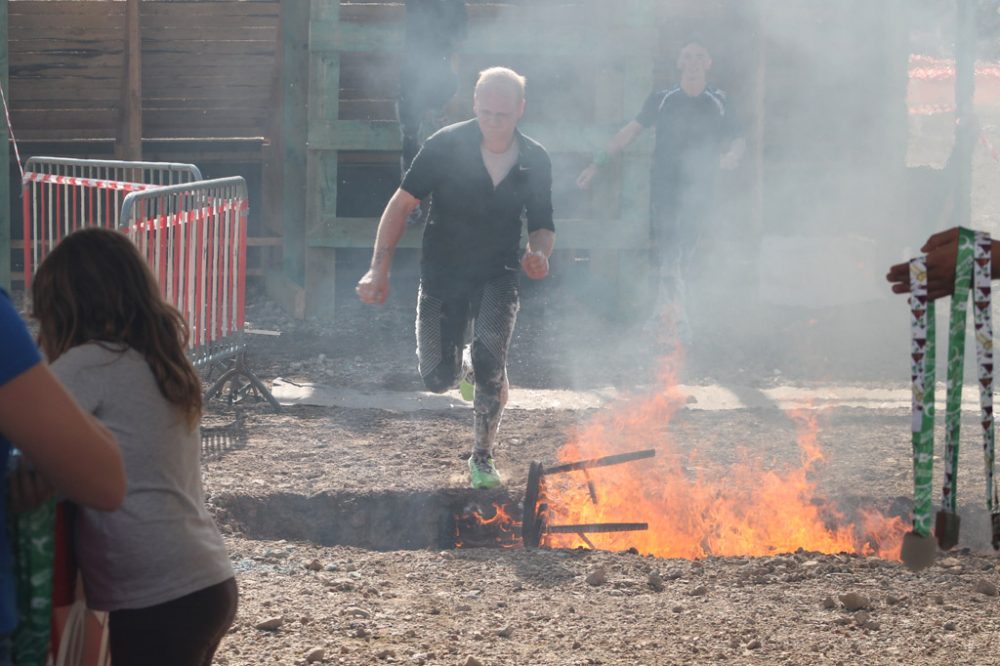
(96, 287)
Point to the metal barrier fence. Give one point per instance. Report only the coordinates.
(192, 232)
(61, 195)
(194, 237)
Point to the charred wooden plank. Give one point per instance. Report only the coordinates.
(606, 461)
(596, 528)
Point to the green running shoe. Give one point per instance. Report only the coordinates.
(467, 390)
(482, 473)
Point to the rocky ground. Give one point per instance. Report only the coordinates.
(345, 606)
(280, 485)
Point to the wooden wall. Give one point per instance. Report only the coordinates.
(208, 68)
(209, 83)
(66, 62)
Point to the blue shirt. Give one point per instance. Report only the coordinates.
(17, 355)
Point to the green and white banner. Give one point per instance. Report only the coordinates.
(972, 274)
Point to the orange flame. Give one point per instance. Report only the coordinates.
(500, 529)
(697, 508)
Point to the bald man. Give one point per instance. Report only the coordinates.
(484, 175)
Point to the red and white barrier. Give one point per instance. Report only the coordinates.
(192, 232)
(60, 195)
(194, 237)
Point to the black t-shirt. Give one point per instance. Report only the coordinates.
(691, 134)
(474, 232)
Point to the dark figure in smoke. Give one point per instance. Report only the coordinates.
(483, 174)
(434, 28)
(695, 135)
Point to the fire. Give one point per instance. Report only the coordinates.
(501, 529)
(695, 507)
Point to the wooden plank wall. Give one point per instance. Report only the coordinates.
(208, 68)
(66, 61)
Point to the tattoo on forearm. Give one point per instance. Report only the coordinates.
(381, 254)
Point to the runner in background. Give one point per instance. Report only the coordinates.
(696, 134)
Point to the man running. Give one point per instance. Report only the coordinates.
(695, 136)
(484, 175)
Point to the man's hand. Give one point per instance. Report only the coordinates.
(27, 488)
(535, 265)
(942, 252)
(586, 176)
(373, 288)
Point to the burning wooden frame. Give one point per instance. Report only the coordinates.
(535, 511)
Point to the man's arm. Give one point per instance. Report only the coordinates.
(731, 159)
(619, 142)
(70, 448)
(374, 286)
(541, 230)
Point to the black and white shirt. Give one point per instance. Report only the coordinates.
(691, 134)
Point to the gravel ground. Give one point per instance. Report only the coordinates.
(304, 602)
(345, 606)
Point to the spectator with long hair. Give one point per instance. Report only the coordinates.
(158, 564)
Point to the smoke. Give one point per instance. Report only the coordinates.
(838, 182)
(788, 276)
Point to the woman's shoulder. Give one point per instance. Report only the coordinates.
(95, 354)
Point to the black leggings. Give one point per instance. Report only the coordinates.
(182, 632)
(443, 325)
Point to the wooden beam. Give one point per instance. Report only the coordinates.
(555, 39)
(294, 72)
(321, 282)
(288, 294)
(5, 229)
(129, 145)
(272, 156)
